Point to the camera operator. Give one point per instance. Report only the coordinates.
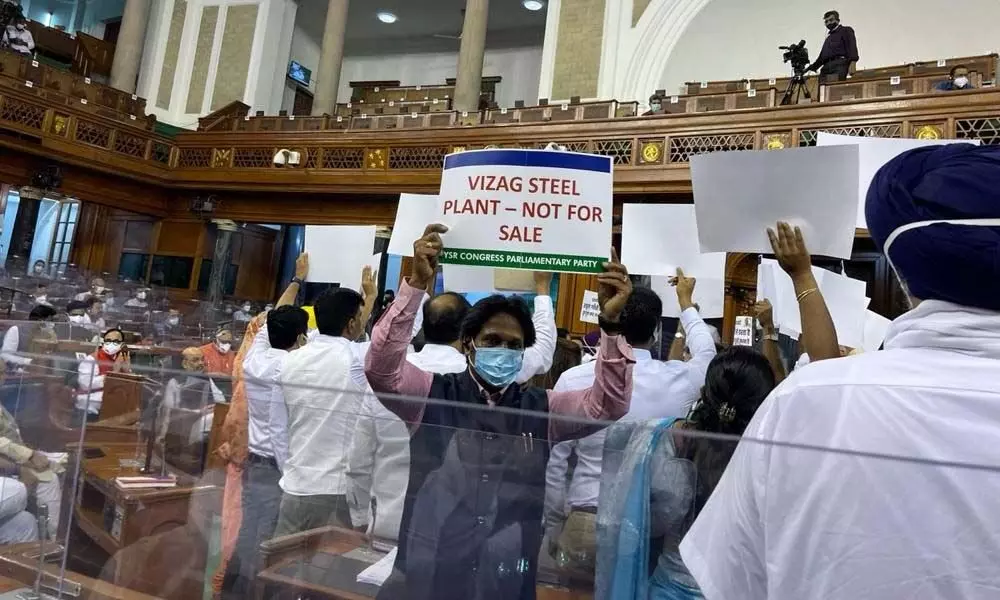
(840, 50)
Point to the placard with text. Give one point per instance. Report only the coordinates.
(527, 209)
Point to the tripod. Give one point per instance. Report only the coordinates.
(797, 88)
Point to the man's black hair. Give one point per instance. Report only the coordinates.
(76, 305)
(443, 317)
(334, 309)
(118, 329)
(284, 326)
(91, 301)
(41, 313)
(487, 308)
(640, 316)
(955, 68)
(832, 13)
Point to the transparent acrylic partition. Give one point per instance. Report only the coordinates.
(137, 493)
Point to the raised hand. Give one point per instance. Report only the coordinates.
(614, 288)
(790, 249)
(302, 266)
(543, 283)
(426, 251)
(685, 289)
(369, 287)
(765, 315)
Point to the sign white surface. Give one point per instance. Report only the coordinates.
(873, 154)
(462, 279)
(709, 295)
(658, 238)
(743, 332)
(338, 253)
(591, 308)
(527, 209)
(738, 195)
(876, 327)
(413, 213)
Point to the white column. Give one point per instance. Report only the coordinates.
(331, 58)
(468, 84)
(128, 50)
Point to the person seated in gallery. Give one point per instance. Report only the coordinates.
(112, 357)
(958, 79)
(21, 340)
(138, 299)
(218, 354)
(96, 290)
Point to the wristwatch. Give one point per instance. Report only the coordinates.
(679, 335)
(298, 280)
(771, 336)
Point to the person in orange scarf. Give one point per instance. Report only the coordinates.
(233, 448)
(219, 355)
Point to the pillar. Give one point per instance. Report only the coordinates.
(220, 260)
(23, 232)
(468, 82)
(331, 58)
(128, 50)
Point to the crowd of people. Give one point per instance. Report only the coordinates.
(627, 472)
(490, 450)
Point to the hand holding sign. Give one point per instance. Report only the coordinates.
(426, 251)
(369, 287)
(685, 289)
(615, 288)
(765, 315)
(790, 249)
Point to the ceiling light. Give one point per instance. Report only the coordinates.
(387, 17)
(533, 4)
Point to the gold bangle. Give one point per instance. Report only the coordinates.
(805, 294)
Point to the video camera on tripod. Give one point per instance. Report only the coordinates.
(799, 57)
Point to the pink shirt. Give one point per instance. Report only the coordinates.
(389, 372)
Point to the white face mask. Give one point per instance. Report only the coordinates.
(173, 320)
(112, 348)
(77, 319)
(961, 81)
(20, 26)
(223, 346)
(140, 296)
(41, 299)
(246, 308)
(269, 307)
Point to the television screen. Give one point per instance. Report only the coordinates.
(299, 73)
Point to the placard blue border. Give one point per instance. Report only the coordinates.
(529, 158)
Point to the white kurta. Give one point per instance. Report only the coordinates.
(789, 524)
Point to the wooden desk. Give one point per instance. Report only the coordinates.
(19, 567)
(325, 546)
(115, 518)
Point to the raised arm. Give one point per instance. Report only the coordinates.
(292, 291)
(386, 366)
(608, 399)
(765, 316)
(819, 336)
(699, 337)
(538, 358)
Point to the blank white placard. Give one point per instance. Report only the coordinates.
(413, 214)
(709, 295)
(738, 195)
(462, 279)
(876, 327)
(846, 300)
(873, 154)
(338, 253)
(658, 238)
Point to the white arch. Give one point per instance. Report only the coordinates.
(650, 44)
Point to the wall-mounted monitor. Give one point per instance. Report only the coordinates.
(297, 72)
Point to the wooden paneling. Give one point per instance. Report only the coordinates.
(138, 236)
(179, 237)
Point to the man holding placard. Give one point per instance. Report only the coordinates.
(881, 480)
(471, 525)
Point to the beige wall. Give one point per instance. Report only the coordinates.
(578, 48)
(234, 56)
(171, 52)
(202, 58)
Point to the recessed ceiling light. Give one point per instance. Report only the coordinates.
(533, 4)
(387, 17)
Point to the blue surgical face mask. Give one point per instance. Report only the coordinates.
(498, 366)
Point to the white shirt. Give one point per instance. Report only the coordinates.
(202, 427)
(789, 524)
(9, 347)
(20, 41)
(89, 385)
(659, 390)
(323, 403)
(268, 416)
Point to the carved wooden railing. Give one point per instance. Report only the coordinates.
(56, 87)
(93, 56)
(651, 154)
